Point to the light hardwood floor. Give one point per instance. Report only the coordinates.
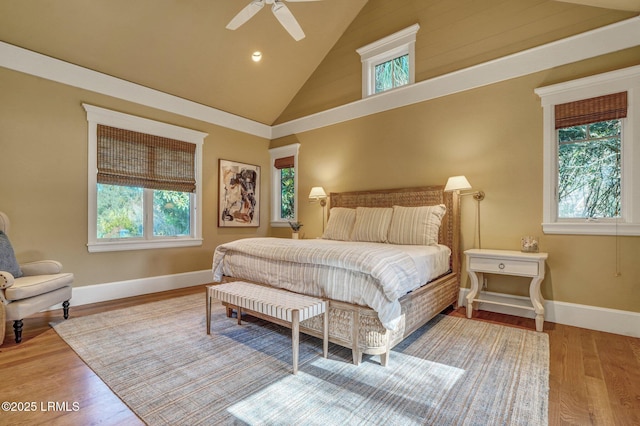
(594, 376)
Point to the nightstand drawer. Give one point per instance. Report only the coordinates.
(503, 266)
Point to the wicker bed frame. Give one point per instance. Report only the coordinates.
(357, 327)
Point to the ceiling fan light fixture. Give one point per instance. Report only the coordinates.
(280, 11)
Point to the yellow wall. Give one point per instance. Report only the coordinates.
(43, 181)
(453, 35)
(493, 135)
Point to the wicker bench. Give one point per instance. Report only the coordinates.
(272, 304)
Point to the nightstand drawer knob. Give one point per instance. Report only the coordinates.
(501, 266)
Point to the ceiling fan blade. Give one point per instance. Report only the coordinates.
(288, 21)
(245, 14)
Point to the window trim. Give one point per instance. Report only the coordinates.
(275, 153)
(97, 115)
(627, 79)
(395, 45)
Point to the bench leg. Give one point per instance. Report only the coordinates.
(208, 294)
(239, 311)
(295, 338)
(325, 334)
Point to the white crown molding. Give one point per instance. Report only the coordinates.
(611, 38)
(36, 64)
(392, 41)
(614, 37)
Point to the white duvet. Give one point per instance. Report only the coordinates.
(369, 274)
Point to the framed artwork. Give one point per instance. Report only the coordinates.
(238, 194)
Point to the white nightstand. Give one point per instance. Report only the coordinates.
(507, 262)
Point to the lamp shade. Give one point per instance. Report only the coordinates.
(456, 183)
(317, 193)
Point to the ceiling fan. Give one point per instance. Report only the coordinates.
(279, 9)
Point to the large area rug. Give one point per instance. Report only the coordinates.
(159, 360)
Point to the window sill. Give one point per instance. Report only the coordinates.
(592, 228)
(280, 224)
(99, 247)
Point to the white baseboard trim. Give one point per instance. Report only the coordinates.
(615, 321)
(608, 320)
(120, 289)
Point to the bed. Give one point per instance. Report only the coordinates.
(394, 298)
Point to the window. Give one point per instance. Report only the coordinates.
(592, 160)
(589, 170)
(284, 184)
(389, 63)
(391, 74)
(144, 183)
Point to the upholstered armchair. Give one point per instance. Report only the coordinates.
(28, 288)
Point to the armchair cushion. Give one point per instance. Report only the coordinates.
(41, 267)
(24, 308)
(30, 286)
(8, 260)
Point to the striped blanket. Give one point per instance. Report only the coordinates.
(370, 274)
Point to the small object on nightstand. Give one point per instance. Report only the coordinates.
(529, 244)
(507, 262)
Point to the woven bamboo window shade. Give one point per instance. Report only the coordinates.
(131, 158)
(284, 163)
(592, 110)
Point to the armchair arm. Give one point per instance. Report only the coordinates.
(41, 267)
(6, 279)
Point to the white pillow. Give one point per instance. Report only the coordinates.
(372, 224)
(416, 225)
(340, 225)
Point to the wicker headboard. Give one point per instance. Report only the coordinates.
(412, 197)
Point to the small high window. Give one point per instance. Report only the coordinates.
(389, 63)
(391, 74)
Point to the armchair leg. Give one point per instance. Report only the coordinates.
(17, 328)
(65, 309)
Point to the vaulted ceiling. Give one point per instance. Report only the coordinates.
(181, 47)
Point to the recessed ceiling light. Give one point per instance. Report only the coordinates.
(256, 56)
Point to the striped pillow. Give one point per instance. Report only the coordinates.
(340, 225)
(372, 224)
(416, 225)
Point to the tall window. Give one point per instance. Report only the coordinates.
(287, 172)
(592, 164)
(589, 170)
(284, 184)
(144, 183)
(389, 62)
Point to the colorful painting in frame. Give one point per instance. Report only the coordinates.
(239, 194)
